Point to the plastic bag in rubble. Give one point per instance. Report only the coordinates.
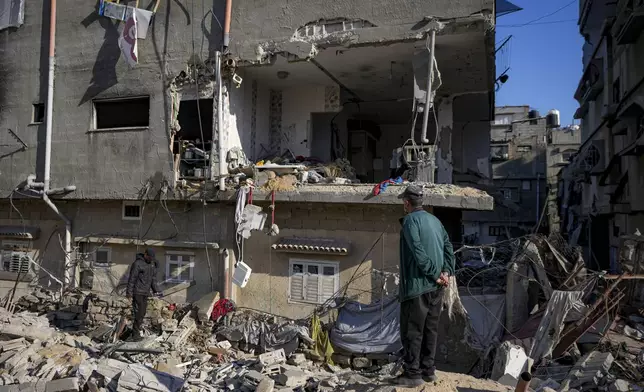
(262, 334)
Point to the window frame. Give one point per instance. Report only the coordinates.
(503, 119)
(190, 263)
(320, 264)
(524, 149)
(505, 152)
(128, 203)
(94, 119)
(34, 111)
(109, 256)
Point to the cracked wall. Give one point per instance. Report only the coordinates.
(298, 22)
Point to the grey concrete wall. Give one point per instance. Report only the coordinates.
(89, 65)
(393, 20)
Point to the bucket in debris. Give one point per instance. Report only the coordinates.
(172, 307)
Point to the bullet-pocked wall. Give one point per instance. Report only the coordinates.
(107, 151)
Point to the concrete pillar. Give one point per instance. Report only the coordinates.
(444, 153)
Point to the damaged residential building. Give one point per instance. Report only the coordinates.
(187, 126)
(519, 139)
(601, 190)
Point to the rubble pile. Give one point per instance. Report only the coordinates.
(36, 357)
(77, 309)
(569, 327)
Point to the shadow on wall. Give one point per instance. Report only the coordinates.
(104, 70)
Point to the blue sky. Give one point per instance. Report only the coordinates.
(544, 56)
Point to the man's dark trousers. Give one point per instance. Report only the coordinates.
(139, 308)
(419, 318)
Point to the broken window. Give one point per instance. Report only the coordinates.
(122, 113)
(38, 115)
(131, 210)
(194, 138)
(102, 257)
(179, 267)
(499, 152)
(524, 148)
(15, 256)
(567, 155)
(313, 282)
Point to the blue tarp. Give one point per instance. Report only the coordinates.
(368, 329)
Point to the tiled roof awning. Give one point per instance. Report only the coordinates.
(312, 245)
(22, 232)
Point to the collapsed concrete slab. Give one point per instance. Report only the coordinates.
(436, 195)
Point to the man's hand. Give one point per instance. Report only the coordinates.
(443, 279)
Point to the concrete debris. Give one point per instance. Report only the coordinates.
(205, 305)
(510, 360)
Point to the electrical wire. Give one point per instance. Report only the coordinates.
(206, 166)
(549, 15)
(538, 23)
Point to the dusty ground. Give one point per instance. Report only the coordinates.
(446, 382)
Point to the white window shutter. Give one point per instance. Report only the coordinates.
(327, 287)
(313, 288)
(15, 261)
(297, 287)
(6, 260)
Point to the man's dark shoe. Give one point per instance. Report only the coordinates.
(135, 338)
(406, 381)
(429, 376)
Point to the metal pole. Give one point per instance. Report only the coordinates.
(220, 126)
(50, 93)
(430, 76)
(48, 136)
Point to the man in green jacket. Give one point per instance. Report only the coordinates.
(426, 264)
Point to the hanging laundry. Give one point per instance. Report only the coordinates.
(381, 187)
(127, 41)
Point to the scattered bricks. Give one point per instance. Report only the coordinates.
(63, 385)
(266, 385)
(589, 370)
(292, 378)
(297, 359)
(270, 370)
(361, 362)
(341, 360)
(272, 357)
